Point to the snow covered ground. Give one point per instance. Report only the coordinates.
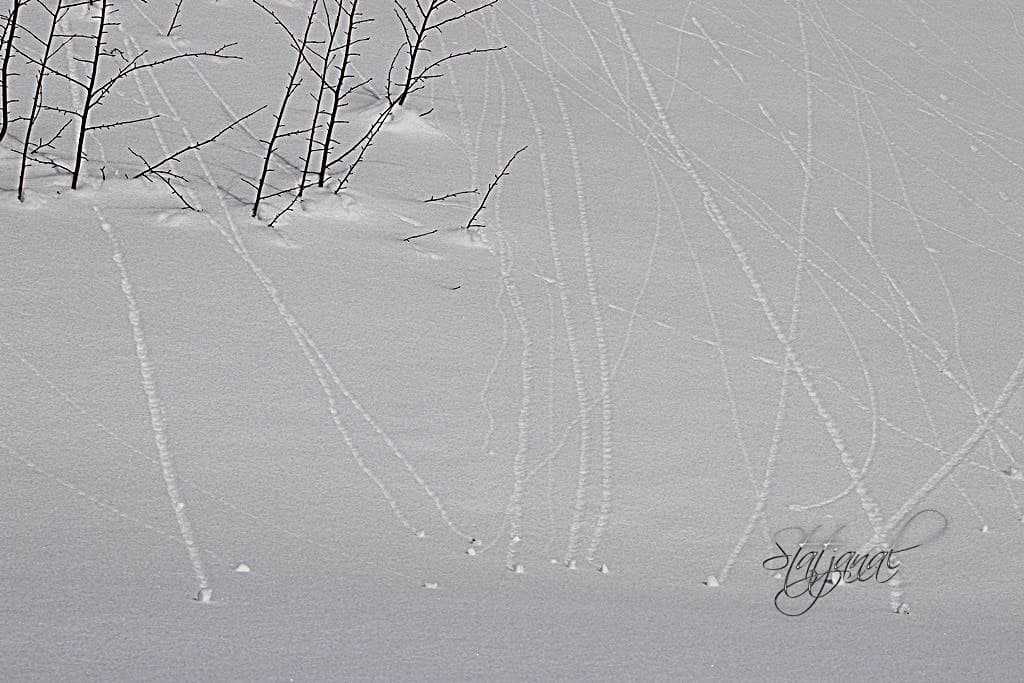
(759, 269)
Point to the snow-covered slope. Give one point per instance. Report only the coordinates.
(758, 270)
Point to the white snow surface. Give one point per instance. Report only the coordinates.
(760, 266)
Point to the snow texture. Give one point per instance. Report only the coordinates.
(755, 285)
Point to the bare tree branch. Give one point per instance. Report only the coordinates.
(175, 156)
(174, 19)
(422, 234)
(293, 81)
(126, 122)
(416, 34)
(10, 31)
(338, 96)
(452, 195)
(490, 188)
(37, 98)
(165, 177)
(96, 90)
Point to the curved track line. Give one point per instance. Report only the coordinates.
(98, 501)
(579, 381)
(589, 268)
(155, 405)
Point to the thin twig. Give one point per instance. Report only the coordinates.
(422, 234)
(490, 188)
(196, 145)
(174, 20)
(452, 195)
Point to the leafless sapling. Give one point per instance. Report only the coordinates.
(326, 58)
(90, 86)
(471, 223)
(361, 146)
(57, 13)
(174, 18)
(10, 31)
(301, 47)
(337, 90)
(356, 152)
(97, 87)
(419, 20)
